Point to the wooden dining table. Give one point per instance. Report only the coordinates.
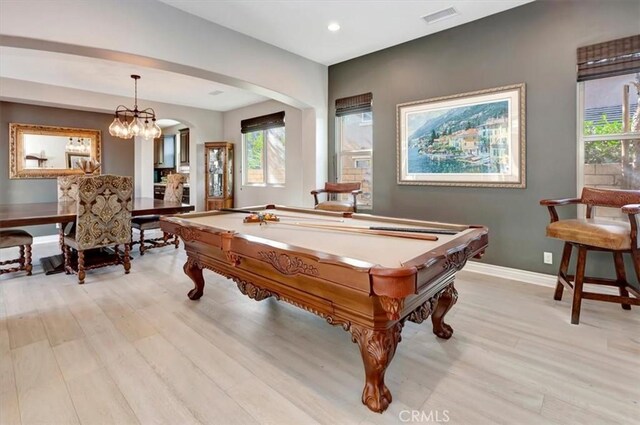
(20, 215)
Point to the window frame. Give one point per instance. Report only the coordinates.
(361, 154)
(582, 139)
(265, 160)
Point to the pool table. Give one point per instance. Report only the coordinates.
(332, 265)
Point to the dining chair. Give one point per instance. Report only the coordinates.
(12, 238)
(67, 192)
(172, 193)
(103, 219)
(332, 203)
(597, 234)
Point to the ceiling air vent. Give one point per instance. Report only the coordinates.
(439, 16)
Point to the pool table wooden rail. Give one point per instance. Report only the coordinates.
(370, 301)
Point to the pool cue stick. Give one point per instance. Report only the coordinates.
(350, 229)
(395, 229)
(415, 230)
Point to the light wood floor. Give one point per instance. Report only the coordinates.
(133, 349)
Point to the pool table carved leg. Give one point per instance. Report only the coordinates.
(446, 300)
(194, 271)
(377, 348)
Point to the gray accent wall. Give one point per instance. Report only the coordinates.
(533, 44)
(117, 154)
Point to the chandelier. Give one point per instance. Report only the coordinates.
(130, 123)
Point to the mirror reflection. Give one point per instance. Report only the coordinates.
(48, 152)
(44, 151)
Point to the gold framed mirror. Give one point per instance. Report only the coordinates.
(46, 152)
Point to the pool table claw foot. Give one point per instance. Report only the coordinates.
(377, 348)
(194, 271)
(446, 300)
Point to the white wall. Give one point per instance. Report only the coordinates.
(204, 126)
(128, 31)
(292, 193)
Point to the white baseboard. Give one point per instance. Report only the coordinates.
(38, 240)
(534, 278)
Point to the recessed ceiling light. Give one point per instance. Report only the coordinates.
(333, 26)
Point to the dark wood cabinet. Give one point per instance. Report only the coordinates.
(184, 146)
(164, 152)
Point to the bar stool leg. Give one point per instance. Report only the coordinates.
(564, 266)
(577, 286)
(621, 276)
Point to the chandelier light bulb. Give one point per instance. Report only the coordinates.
(148, 131)
(135, 127)
(157, 130)
(114, 128)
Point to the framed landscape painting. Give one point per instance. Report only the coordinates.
(469, 139)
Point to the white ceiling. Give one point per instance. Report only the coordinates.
(103, 76)
(300, 26)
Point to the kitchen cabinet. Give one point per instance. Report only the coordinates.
(219, 175)
(184, 147)
(164, 152)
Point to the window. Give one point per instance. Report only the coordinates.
(264, 150)
(608, 121)
(354, 145)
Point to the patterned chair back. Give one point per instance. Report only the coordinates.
(175, 187)
(104, 211)
(68, 188)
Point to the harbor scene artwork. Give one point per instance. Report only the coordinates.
(473, 139)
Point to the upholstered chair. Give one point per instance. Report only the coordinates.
(67, 192)
(597, 234)
(332, 204)
(172, 193)
(103, 219)
(68, 188)
(12, 238)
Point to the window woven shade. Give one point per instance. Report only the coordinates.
(263, 122)
(616, 57)
(354, 104)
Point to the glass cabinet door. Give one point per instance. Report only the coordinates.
(216, 172)
(230, 175)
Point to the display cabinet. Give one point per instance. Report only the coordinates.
(219, 175)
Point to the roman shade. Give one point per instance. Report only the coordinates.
(263, 122)
(608, 59)
(354, 104)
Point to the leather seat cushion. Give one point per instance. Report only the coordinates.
(146, 222)
(607, 234)
(10, 238)
(341, 206)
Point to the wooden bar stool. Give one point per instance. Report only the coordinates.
(596, 234)
(12, 238)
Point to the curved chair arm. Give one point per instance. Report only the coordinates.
(631, 209)
(315, 195)
(551, 205)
